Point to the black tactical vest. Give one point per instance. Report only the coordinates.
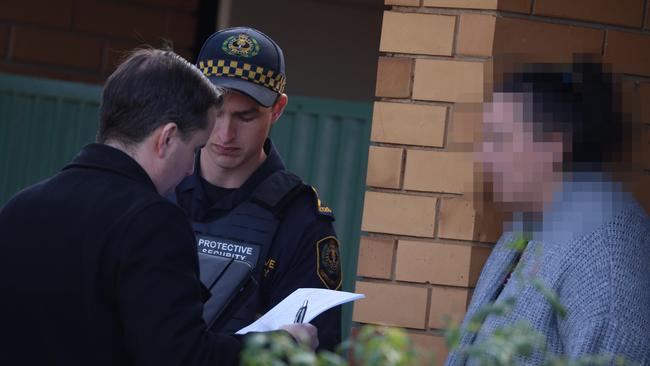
(246, 233)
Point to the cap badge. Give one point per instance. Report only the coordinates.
(241, 45)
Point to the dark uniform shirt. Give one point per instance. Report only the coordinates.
(303, 253)
(96, 268)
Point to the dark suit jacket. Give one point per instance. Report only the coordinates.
(96, 268)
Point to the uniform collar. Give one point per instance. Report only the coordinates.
(107, 158)
(271, 164)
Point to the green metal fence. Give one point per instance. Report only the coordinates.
(326, 143)
(43, 123)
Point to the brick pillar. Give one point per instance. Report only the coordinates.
(425, 244)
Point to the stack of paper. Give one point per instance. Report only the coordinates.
(285, 311)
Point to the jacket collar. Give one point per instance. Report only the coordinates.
(107, 158)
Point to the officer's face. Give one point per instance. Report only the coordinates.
(237, 140)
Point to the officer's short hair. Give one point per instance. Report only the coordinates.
(150, 88)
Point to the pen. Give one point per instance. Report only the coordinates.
(300, 315)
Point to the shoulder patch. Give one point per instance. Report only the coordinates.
(322, 209)
(328, 255)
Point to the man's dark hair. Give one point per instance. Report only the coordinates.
(150, 88)
(582, 101)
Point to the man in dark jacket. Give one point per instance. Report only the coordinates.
(97, 268)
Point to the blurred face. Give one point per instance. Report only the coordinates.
(521, 169)
(182, 153)
(237, 140)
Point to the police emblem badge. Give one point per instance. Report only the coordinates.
(329, 262)
(241, 45)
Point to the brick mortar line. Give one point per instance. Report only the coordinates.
(393, 264)
(469, 243)
(414, 193)
(446, 139)
(436, 222)
(636, 78)
(454, 44)
(531, 11)
(410, 147)
(378, 281)
(416, 147)
(529, 16)
(411, 78)
(442, 11)
(402, 171)
(379, 324)
(435, 332)
(578, 23)
(411, 284)
(414, 101)
(422, 56)
(427, 313)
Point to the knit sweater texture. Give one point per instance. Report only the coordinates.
(593, 250)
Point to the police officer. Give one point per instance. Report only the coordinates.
(241, 199)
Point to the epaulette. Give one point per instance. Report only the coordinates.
(320, 207)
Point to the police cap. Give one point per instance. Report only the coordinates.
(246, 60)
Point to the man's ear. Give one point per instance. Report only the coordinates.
(166, 135)
(278, 108)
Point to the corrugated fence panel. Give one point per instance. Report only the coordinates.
(326, 143)
(43, 123)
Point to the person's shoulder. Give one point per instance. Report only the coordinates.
(626, 232)
(308, 205)
(626, 238)
(617, 252)
(157, 206)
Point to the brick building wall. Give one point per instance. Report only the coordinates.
(83, 40)
(425, 243)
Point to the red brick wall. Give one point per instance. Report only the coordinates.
(83, 40)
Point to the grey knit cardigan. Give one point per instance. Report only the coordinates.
(593, 249)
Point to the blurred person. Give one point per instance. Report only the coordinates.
(554, 147)
(97, 267)
(243, 199)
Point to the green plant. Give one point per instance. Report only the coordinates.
(372, 346)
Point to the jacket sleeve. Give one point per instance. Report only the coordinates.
(159, 293)
(303, 271)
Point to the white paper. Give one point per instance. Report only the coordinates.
(285, 311)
